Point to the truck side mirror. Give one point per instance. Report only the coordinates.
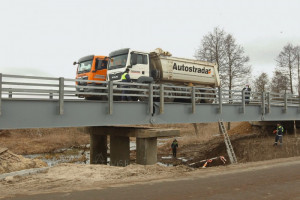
(74, 63)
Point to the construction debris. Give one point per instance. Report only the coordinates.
(222, 158)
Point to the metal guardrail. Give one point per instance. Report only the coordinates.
(15, 87)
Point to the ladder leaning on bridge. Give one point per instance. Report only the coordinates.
(229, 147)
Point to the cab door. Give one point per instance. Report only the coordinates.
(139, 65)
(100, 69)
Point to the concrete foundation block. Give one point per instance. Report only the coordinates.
(146, 151)
(98, 149)
(119, 151)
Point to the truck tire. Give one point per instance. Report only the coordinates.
(212, 96)
(170, 92)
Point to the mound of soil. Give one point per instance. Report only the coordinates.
(247, 147)
(242, 128)
(10, 162)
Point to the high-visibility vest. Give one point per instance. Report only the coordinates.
(124, 76)
(280, 128)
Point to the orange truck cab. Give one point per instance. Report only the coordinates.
(92, 68)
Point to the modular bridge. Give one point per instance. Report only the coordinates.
(44, 102)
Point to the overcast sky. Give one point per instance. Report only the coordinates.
(44, 37)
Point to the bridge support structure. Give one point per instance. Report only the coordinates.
(98, 147)
(146, 144)
(146, 151)
(119, 151)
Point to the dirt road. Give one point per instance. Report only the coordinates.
(275, 179)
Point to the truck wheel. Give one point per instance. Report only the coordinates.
(170, 93)
(211, 96)
(89, 98)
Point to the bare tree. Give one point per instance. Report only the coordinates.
(297, 63)
(220, 47)
(285, 60)
(236, 63)
(211, 49)
(261, 83)
(279, 82)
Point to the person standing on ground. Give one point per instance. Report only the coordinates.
(125, 78)
(174, 147)
(279, 134)
(247, 90)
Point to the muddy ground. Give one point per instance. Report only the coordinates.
(248, 147)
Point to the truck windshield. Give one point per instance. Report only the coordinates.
(118, 61)
(85, 66)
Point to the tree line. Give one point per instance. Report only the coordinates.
(234, 68)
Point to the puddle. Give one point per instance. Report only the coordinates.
(167, 157)
(165, 164)
(183, 159)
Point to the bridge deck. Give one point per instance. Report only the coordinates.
(44, 102)
(45, 114)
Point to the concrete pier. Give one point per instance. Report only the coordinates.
(146, 151)
(146, 148)
(98, 149)
(119, 151)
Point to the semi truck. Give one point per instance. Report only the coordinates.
(93, 68)
(160, 67)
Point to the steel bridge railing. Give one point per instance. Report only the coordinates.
(13, 87)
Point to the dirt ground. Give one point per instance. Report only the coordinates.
(194, 146)
(42, 140)
(248, 147)
(78, 177)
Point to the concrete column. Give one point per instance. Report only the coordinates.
(98, 149)
(146, 151)
(289, 126)
(297, 124)
(119, 151)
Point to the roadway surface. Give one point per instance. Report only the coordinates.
(280, 181)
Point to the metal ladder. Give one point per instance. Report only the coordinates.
(229, 147)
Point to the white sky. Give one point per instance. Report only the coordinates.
(44, 37)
